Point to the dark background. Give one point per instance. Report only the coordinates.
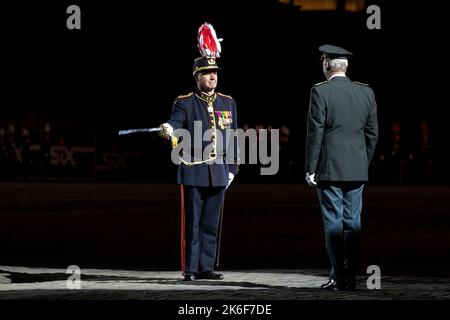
(131, 59)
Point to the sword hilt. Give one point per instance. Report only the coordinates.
(174, 141)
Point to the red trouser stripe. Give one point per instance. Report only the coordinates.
(183, 241)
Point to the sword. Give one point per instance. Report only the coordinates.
(129, 131)
(173, 139)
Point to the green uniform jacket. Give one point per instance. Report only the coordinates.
(342, 130)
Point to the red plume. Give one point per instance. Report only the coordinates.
(208, 44)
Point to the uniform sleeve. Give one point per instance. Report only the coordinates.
(315, 126)
(371, 130)
(178, 118)
(234, 167)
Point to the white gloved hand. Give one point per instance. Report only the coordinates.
(310, 179)
(167, 130)
(230, 179)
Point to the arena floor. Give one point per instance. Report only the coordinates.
(125, 239)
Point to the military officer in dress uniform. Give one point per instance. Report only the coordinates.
(203, 181)
(342, 132)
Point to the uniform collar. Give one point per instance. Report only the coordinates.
(338, 76)
(204, 97)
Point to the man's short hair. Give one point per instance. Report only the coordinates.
(337, 65)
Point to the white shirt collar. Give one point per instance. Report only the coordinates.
(339, 74)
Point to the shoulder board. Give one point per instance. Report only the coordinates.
(318, 84)
(185, 96)
(363, 84)
(224, 95)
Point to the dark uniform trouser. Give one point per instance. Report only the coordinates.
(202, 207)
(341, 206)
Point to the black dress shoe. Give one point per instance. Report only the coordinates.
(210, 276)
(333, 285)
(189, 277)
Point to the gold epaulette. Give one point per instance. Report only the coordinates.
(185, 96)
(363, 84)
(224, 95)
(318, 84)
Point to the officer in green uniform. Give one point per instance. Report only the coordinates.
(342, 132)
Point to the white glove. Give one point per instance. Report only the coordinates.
(310, 179)
(167, 130)
(230, 179)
